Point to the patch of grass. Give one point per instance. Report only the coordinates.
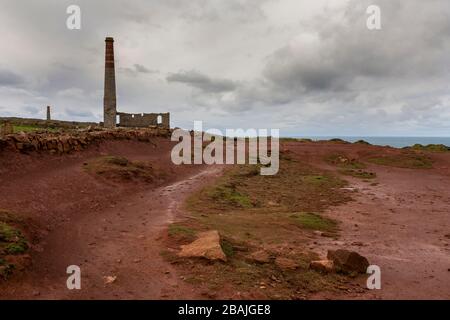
(362, 142)
(251, 212)
(227, 195)
(12, 242)
(339, 141)
(403, 160)
(180, 231)
(29, 128)
(120, 168)
(16, 248)
(227, 248)
(430, 147)
(314, 221)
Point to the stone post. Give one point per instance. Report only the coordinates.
(109, 100)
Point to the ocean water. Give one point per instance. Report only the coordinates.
(396, 142)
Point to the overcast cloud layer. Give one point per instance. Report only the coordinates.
(306, 67)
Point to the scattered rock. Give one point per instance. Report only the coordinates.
(206, 246)
(325, 266)
(260, 256)
(109, 279)
(348, 261)
(286, 263)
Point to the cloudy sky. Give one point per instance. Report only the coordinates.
(305, 67)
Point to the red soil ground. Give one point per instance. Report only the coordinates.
(402, 224)
(109, 229)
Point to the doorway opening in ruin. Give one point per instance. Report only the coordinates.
(159, 119)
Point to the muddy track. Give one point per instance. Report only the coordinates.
(122, 241)
(401, 224)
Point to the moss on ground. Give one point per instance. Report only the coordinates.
(12, 242)
(251, 212)
(411, 160)
(122, 169)
(314, 221)
(430, 147)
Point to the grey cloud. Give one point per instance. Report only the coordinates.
(8, 78)
(337, 54)
(79, 113)
(142, 69)
(300, 65)
(203, 82)
(32, 110)
(137, 69)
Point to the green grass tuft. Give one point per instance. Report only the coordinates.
(314, 221)
(405, 160)
(227, 248)
(176, 230)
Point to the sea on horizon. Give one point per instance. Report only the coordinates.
(396, 142)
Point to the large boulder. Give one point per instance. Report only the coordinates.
(206, 246)
(348, 261)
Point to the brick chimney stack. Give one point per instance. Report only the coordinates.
(109, 100)
(48, 114)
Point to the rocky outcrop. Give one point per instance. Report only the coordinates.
(348, 261)
(286, 263)
(260, 256)
(6, 128)
(324, 266)
(74, 140)
(206, 246)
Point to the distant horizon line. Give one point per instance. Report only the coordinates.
(359, 136)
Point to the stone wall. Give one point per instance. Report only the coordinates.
(46, 124)
(142, 120)
(60, 143)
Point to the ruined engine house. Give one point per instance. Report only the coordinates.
(111, 117)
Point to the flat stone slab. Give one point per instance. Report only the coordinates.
(206, 246)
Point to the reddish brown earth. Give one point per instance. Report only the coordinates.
(401, 224)
(107, 229)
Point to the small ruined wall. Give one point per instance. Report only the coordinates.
(143, 120)
(60, 143)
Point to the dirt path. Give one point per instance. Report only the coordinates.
(121, 241)
(402, 225)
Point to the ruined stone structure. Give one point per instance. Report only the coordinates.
(109, 99)
(144, 119)
(48, 114)
(72, 141)
(6, 128)
(110, 116)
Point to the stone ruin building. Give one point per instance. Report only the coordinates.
(112, 118)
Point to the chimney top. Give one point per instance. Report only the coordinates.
(109, 39)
